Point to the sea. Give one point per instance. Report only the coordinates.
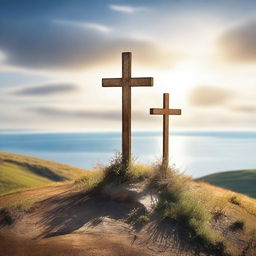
(195, 153)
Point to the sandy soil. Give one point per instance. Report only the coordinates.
(65, 222)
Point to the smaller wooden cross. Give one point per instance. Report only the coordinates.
(165, 111)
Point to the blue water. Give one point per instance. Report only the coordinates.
(195, 153)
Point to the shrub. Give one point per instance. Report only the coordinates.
(90, 182)
(235, 200)
(170, 183)
(137, 216)
(115, 172)
(193, 215)
(143, 219)
(139, 172)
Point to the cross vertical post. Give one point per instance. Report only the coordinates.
(126, 82)
(165, 130)
(126, 109)
(165, 111)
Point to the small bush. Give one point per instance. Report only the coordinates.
(193, 215)
(116, 172)
(139, 172)
(137, 216)
(90, 182)
(113, 174)
(143, 219)
(237, 225)
(235, 200)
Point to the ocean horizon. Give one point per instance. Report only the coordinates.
(196, 153)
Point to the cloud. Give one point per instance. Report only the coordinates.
(244, 108)
(238, 43)
(86, 25)
(77, 113)
(51, 46)
(209, 96)
(2, 56)
(126, 8)
(46, 89)
(68, 114)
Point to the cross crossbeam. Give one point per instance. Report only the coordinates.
(165, 111)
(118, 82)
(126, 82)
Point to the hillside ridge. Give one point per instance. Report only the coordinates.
(20, 171)
(241, 181)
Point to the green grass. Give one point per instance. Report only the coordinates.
(238, 181)
(19, 172)
(13, 177)
(180, 202)
(235, 200)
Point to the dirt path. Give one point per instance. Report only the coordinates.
(65, 222)
(37, 194)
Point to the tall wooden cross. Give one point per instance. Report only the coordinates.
(165, 111)
(126, 82)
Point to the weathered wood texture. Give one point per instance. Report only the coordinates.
(126, 82)
(165, 111)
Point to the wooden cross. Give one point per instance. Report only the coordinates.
(126, 82)
(165, 111)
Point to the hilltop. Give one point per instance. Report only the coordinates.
(242, 181)
(20, 172)
(144, 211)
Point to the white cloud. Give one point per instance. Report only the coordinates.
(126, 8)
(2, 56)
(86, 25)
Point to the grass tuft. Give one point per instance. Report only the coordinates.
(114, 173)
(90, 182)
(235, 200)
(143, 219)
(11, 212)
(178, 203)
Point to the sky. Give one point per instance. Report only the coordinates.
(53, 55)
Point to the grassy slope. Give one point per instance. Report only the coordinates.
(239, 181)
(18, 172)
(186, 202)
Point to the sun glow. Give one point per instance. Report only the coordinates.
(180, 79)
